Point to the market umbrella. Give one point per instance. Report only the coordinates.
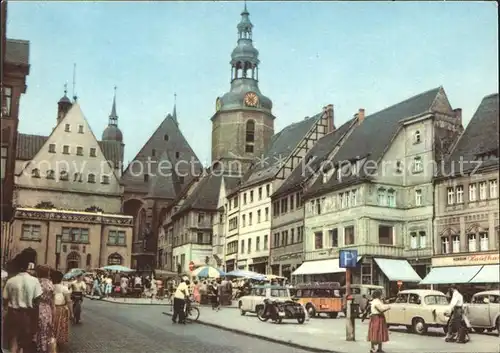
(117, 268)
(207, 271)
(271, 277)
(246, 274)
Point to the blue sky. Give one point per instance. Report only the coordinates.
(350, 54)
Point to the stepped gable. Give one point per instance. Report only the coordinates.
(372, 137)
(479, 141)
(28, 146)
(167, 138)
(205, 196)
(314, 158)
(282, 145)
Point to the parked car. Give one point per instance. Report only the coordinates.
(484, 311)
(361, 294)
(255, 301)
(418, 309)
(320, 297)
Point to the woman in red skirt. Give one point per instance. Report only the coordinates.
(377, 331)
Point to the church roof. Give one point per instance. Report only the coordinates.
(184, 162)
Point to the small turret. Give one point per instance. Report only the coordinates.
(112, 132)
(64, 105)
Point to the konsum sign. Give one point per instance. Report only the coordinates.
(480, 259)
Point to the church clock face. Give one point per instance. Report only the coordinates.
(218, 104)
(251, 99)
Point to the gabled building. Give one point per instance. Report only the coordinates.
(156, 177)
(376, 196)
(68, 197)
(466, 226)
(250, 224)
(287, 223)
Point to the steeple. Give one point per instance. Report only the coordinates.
(245, 58)
(112, 132)
(174, 112)
(64, 105)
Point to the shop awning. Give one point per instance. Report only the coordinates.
(488, 274)
(319, 267)
(398, 270)
(450, 275)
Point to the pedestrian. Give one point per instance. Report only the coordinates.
(180, 296)
(124, 285)
(377, 329)
(456, 312)
(21, 295)
(96, 287)
(108, 286)
(196, 292)
(212, 293)
(63, 311)
(45, 334)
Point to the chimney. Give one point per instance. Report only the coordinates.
(458, 114)
(360, 115)
(331, 118)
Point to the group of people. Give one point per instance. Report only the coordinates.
(107, 284)
(37, 308)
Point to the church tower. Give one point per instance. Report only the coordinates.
(243, 123)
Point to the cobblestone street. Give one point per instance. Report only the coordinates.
(120, 328)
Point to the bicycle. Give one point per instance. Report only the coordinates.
(191, 312)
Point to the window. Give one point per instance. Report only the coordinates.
(391, 198)
(50, 174)
(493, 189)
(298, 200)
(251, 196)
(242, 246)
(472, 192)
(3, 166)
(177, 155)
(349, 235)
(67, 128)
(31, 232)
(91, 178)
(257, 244)
(451, 196)
(436, 300)
(250, 219)
(7, 101)
(153, 152)
(284, 238)
(483, 194)
(75, 235)
(459, 194)
(266, 214)
(347, 199)
(201, 218)
(418, 197)
(65, 149)
(300, 234)
(445, 245)
(245, 198)
(249, 247)
(318, 206)
(455, 243)
(105, 179)
(249, 148)
(318, 240)
(385, 235)
(413, 240)
(353, 198)
(52, 148)
(146, 178)
(414, 299)
(334, 237)
(399, 167)
(266, 237)
(79, 151)
(483, 241)
(77, 177)
(381, 197)
(243, 221)
(402, 298)
(63, 175)
(260, 193)
(199, 238)
(292, 236)
(291, 202)
(417, 165)
(423, 239)
(472, 242)
(250, 131)
(276, 209)
(165, 137)
(417, 137)
(233, 223)
(92, 152)
(116, 237)
(258, 216)
(284, 205)
(236, 201)
(35, 173)
(268, 190)
(80, 129)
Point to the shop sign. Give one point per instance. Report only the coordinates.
(260, 260)
(477, 259)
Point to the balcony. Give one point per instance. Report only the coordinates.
(380, 250)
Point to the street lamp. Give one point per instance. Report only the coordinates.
(58, 250)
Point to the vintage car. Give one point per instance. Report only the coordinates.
(255, 301)
(361, 294)
(418, 309)
(320, 297)
(484, 311)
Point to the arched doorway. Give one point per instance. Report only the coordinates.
(131, 207)
(115, 259)
(72, 261)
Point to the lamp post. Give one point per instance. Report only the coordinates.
(58, 250)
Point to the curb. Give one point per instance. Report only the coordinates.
(150, 304)
(262, 337)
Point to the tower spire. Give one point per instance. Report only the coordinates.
(74, 83)
(113, 117)
(174, 113)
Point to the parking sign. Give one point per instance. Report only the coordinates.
(348, 258)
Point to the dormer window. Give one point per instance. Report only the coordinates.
(91, 178)
(35, 173)
(417, 137)
(52, 148)
(67, 127)
(50, 174)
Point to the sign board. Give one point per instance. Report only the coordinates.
(191, 265)
(478, 259)
(348, 258)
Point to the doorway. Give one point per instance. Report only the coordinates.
(72, 261)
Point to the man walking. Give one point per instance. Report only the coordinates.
(181, 293)
(456, 313)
